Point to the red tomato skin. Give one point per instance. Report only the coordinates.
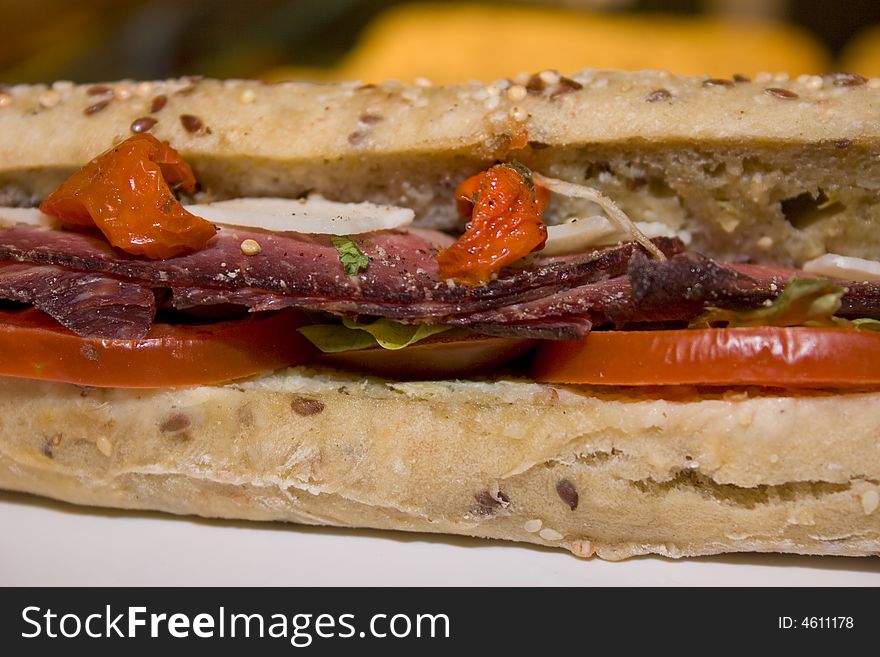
(789, 357)
(34, 346)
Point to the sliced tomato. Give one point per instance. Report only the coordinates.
(766, 356)
(34, 346)
(435, 358)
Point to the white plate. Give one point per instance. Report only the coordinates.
(49, 543)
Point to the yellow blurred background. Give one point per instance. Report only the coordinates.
(373, 40)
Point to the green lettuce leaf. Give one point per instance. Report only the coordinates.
(866, 324)
(803, 302)
(352, 334)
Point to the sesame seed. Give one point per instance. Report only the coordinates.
(739, 77)
(62, 85)
(763, 77)
(104, 446)
(549, 77)
(517, 92)
(658, 94)
(250, 247)
(536, 85)
(493, 90)
(370, 118)
(518, 114)
(717, 82)
(247, 96)
(306, 406)
(848, 79)
(568, 493)
(778, 92)
(781, 77)
(583, 549)
(122, 92)
(143, 89)
(566, 86)
(814, 82)
(191, 123)
(521, 78)
(357, 138)
(49, 98)
(143, 124)
(422, 82)
(5, 100)
(175, 422)
(870, 501)
(96, 107)
(764, 243)
(550, 534)
(99, 90)
(532, 526)
(158, 103)
(491, 102)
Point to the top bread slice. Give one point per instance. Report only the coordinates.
(771, 170)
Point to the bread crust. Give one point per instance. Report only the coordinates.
(716, 158)
(680, 473)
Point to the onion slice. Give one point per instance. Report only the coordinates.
(580, 233)
(29, 216)
(848, 268)
(615, 214)
(313, 214)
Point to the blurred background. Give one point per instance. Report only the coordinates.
(373, 40)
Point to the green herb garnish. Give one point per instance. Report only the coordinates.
(352, 258)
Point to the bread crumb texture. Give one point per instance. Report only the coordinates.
(614, 473)
(776, 169)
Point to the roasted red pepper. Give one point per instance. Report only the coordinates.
(505, 224)
(127, 193)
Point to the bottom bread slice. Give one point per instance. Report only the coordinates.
(616, 473)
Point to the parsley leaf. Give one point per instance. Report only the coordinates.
(352, 258)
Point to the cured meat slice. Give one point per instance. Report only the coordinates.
(89, 304)
(401, 282)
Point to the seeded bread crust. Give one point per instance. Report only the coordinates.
(773, 169)
(612, 472)
(616, 473)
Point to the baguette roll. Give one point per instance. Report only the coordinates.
(772, 171)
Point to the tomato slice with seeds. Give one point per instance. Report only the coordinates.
(34, 346)
(790, 357)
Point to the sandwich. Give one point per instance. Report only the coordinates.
(614, 313)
